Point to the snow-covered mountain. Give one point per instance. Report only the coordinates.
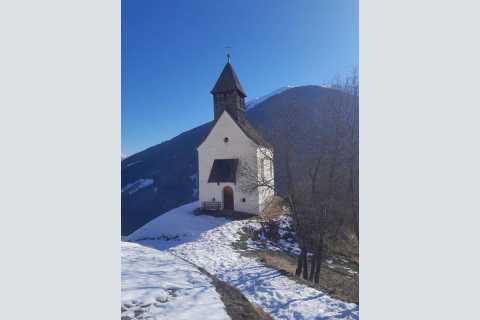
(298, 115)
(254, 102)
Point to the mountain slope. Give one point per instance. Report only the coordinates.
(298, 117)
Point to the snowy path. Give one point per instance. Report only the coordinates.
(158, 285)
(208, 244)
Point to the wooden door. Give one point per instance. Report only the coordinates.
(227, 198)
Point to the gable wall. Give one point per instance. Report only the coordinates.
(239, 146)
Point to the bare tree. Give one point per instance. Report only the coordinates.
(316, 206)
(317, 184)
(350, 84)
(311, 207)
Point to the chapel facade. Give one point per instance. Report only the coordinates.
(235, 163)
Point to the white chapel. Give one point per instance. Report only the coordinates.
(235, 163)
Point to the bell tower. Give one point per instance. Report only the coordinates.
(228, 94)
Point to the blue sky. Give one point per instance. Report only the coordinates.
(173, 51)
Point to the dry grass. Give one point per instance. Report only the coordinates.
(335, 280)
(274, 209)
(346, 245)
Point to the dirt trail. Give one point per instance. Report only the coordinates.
(236, 305)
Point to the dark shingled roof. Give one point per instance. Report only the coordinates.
(253, 134)
(224, 170)
(228, 81)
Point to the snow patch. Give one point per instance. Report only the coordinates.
(133, 163)
(177, 226)
(158, 285)
(194, 178)
(286, 243)
(131, 188)
(252, 103)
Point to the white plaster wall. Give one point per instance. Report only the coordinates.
(240, 147)
(265, 194)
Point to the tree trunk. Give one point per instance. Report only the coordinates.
(313, 265)
(305, 266)
(299, 264)
(317, 271)
(318, 256)
(338, 227)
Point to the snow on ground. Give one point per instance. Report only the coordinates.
(158, 285)
(207, 242)
(177, 226)
(286, 243)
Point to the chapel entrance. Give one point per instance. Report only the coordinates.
(228, 198)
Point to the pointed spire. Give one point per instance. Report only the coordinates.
(228, 81)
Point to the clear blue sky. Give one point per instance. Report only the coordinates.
(174, 50)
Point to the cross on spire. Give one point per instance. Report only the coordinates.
(228, 53)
